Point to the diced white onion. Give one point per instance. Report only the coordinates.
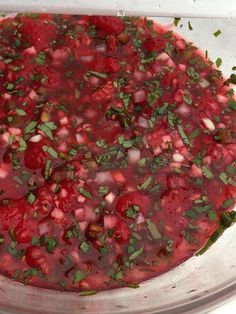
(79, 138)
(222, 99)
(57, 213)
(208, 124)
(178, 157)
(109, 198)
(33, 95)
(7, 96)
(31, 50)
(140, 219)
(204, 83)
(162, 56)
(81, 199)
(3, 173)
(64, 120)
(143, 123)
(133, 155)
(44, 227)
(103, 177)
(101, 48)
(139, 96)
(86, 59)
(63, 193)
(79, 214)
(110, 221)
(5, 137)
(183, 110)
(14, 131)
(36, 138)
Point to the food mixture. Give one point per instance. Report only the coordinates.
(117, 150)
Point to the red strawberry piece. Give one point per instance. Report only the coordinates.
(154, 44)
(121, 233)
(37, 33)
(105, 93)
(35, 157)
(109, 25)
(175, 180)
(133, 198)
(35, 257)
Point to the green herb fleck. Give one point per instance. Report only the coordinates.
(153, 229)
(190, 26)
(183, 135)
(176, 21)
(207, 173)
(87, 293)
(40, 58)
(229, 202)
(79, 275)
(217, 33)
(50, 151)
(98, 74)
(232, 104)
(218, 62)
(136, 254)
(20, 112)
(31, 198)
(30, 128)
(85, 192)
(146, 183)
(84, 247)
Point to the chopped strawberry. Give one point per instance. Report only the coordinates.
(154, 44)
(121, 233)
(178, 181)
(139, 199)
(35, 157)
(35, 257)
(37, 33)
(109, 25)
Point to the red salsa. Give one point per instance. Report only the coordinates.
(117, 150)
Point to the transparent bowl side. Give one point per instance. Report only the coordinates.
(196, 286)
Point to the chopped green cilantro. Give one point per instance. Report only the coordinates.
(85, 192)
(50, 244)
(79, 275)
(31, 198)
(30, 127)
(218, 62)
(47, 169)
(223, 177)
(87, 293)
(103, 189)
(183, 135)
(50, 151)
(232, 104)
(22, 145)
(20, 112)
(217, 33)
(40, 58)
(153, 229)
(84, 247)
(212, 215)
(190, 26)
(232, 78)
(136, 254)
(176, 21)
(146, 183)
(98, 74)
(207, 173)
(229, 202)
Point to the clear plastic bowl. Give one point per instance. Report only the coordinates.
(196, 286)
